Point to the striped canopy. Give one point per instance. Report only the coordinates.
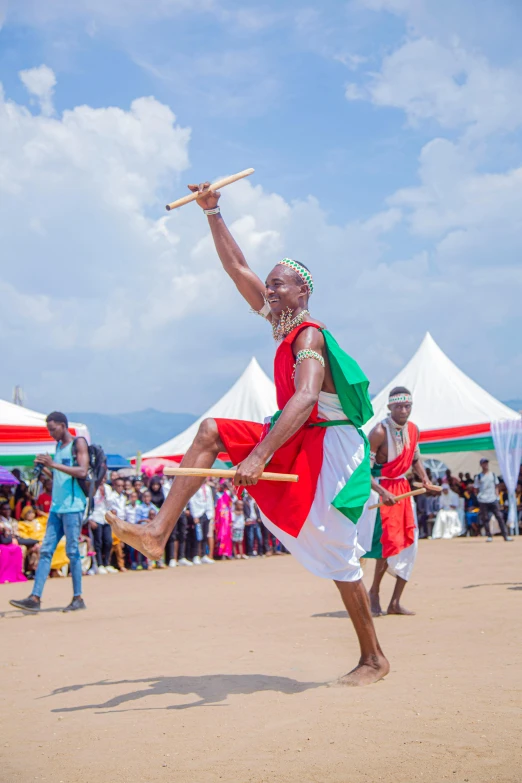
(23, 434)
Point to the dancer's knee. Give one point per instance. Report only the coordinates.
(208, 433)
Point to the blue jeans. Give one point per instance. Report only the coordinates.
(253, 533)
(57, 526)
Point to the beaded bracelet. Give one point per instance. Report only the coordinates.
(214, 211)
(307, 353)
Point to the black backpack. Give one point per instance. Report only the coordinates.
(95, 474)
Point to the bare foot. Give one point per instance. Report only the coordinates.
(398, 609)
(139, 537)
(375, 605)
(366, 672)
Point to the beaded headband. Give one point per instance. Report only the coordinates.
(400, 398)
(303, 273)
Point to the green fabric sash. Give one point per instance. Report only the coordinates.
(375, 552)
(351, 385)
(332, 423)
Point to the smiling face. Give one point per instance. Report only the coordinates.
(285, 289)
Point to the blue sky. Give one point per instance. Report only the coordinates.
(385, 135)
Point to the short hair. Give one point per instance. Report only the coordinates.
(59, 418)
(399, 390)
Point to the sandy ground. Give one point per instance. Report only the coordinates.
(218, 673)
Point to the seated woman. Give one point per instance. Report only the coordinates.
(30, 533)
(11, 554)
(22, 498)
(34, 527)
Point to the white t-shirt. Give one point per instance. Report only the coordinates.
(102, 504)
(486, 484)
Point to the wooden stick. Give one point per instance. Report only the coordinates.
(220, 183)
(433, 487)
(400, 497)
(225, 473)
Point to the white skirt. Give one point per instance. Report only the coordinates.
(327, 544)
(398, 565)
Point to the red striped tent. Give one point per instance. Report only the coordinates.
(23, 434)
(453, 413)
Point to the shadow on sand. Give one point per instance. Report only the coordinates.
(341, 614)
(12, 614)
(496, 584)
(211, 689)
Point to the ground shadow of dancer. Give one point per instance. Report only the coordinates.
(211, 689)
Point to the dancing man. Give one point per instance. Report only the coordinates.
(323, 397)
(394, 451)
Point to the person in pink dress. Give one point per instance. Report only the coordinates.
(223, 522)
(11, 554)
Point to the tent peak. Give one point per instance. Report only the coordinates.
(443, 395)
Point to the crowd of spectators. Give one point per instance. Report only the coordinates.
(216, 525)
(479, 500)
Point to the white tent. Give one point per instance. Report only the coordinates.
(251, 398)
(23, 434)
(453, 412)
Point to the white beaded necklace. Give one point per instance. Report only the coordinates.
(286, 323)
(399, 433)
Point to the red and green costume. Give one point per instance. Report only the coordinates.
(394, 528)
(297, 512)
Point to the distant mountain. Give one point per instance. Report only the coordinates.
(127, 433)
(515, 404)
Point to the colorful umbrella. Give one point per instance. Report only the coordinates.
(6, 477)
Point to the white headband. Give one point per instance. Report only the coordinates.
(400, 398)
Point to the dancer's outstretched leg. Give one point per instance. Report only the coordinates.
(150, 539)
(372, 666)
(380, 569)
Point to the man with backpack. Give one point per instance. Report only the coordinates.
(487, 485)
(69, 466)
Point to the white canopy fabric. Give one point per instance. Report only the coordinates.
(507, 437)
(18, 416)
(443, 396)
(251, 398)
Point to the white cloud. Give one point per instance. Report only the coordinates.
(446, 83)
(107, 275)
(133, 303)
(454, 197)
(40, 82)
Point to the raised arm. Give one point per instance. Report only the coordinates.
(249, 285)
(309, 378)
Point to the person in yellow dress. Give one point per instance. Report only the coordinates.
(32, 526)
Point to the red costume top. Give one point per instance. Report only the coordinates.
(288, 504)
(398, 522)
(285, 503)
